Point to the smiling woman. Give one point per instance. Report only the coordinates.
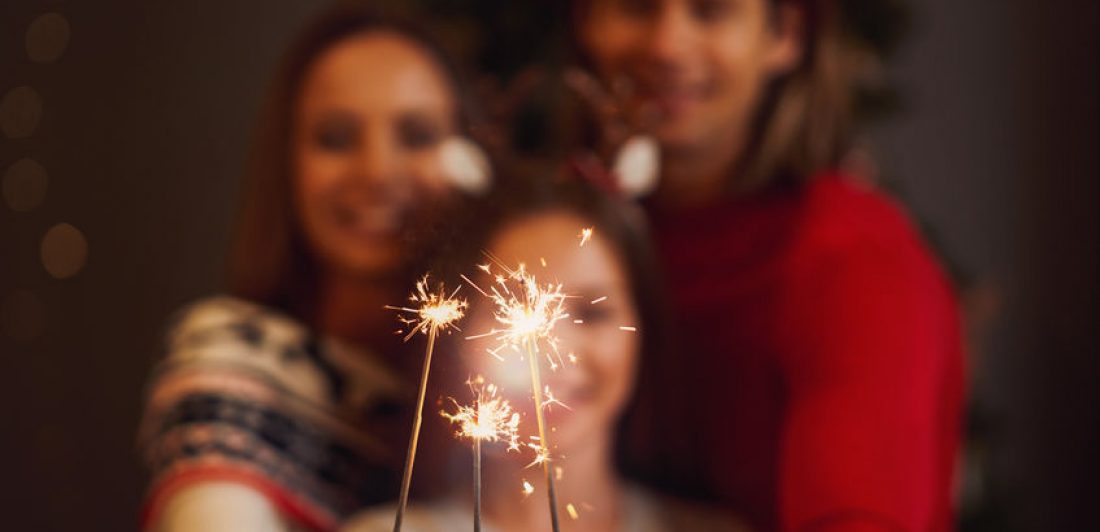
(274, 409)
(371, 115)
(601, 354)
(347, 158)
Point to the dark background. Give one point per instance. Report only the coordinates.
(146, 121)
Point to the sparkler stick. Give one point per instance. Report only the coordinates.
(490, 419)
(528, 313)
(436, 312)
(477, 485)
(536, 385)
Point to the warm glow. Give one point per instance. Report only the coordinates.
(490, 418)
(585, 236)
(436, 310)
(526, 312)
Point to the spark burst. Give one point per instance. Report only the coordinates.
(527, 313)
(585, 235)
(489, 419)
(436, 312)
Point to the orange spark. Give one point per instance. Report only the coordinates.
(585, 235)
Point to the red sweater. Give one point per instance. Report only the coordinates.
(819, 366)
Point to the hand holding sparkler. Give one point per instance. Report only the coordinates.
(436, 311)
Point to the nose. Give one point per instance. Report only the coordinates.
(670, 36)
(377, 162)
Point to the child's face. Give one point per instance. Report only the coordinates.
(597, 386)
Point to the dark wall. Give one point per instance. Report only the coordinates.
(145, 125)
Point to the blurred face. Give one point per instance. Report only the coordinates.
(372, 112)
(700, 64)
(597, 386)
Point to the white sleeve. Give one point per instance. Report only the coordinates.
(219, 507)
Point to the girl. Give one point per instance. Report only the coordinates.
(589, 396)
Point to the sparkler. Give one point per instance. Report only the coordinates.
(585, 235)
(434, 312)
(489, 419)
(527, 313)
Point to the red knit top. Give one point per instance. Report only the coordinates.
(818, 371)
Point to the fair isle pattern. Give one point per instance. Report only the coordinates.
(250, 394)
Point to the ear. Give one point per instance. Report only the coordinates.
(788, 38)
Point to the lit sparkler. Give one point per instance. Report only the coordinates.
(585, 236)
(434, 312)
(489, 419)
(527, 313)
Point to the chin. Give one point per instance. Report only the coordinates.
(678, 136)
(574, 433)
(370, 263)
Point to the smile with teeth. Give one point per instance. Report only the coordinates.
(674, 97)
(369, 220)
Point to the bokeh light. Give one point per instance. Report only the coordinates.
(47, 38)
(20, 112)
(64, 251)
(25, 184)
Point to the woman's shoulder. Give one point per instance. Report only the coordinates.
(377, 519)
(222, 312)
(245, 391)
(438, 516)
(845, 224)
(646, 511)
(221, 335)
(649, 510)
(841, 211)
(859, 263)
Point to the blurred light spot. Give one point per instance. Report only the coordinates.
(64, 251)
(47, 38)
(20, 111)
(24, 185)
(22, 315)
